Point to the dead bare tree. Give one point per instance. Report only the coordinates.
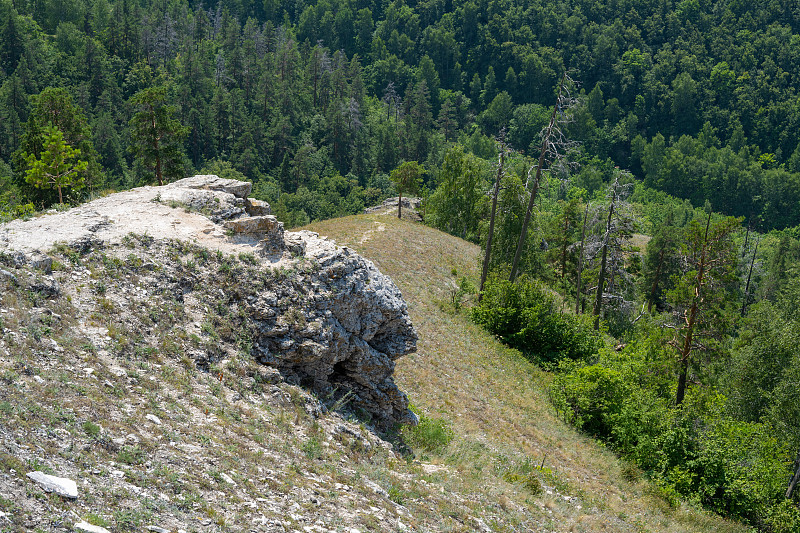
(555, 148)
(580, 262)
(495, 194)
(617, 229)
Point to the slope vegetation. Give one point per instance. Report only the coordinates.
(521, 468)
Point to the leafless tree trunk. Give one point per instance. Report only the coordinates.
(601, 278)
(746, 300)
(555, 145)
(496, 193)
(580, 262)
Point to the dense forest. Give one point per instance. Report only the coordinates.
(697, 99)
(632, 171)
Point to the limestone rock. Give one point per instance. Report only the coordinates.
(240, 189)
(257, 208)
(324, 317)
(254, 225)
(89, 528)
(346, 337)
(60, 485)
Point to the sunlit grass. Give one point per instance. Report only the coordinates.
(496, 401)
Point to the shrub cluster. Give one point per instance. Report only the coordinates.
(737, 468)
(524, 316)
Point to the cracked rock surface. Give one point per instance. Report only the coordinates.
(322, 315)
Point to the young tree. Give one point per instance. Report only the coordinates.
(407, 178)
(57, 166)
(459, 202)
(704, 291)
(156, 135)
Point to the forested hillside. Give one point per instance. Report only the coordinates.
(632, 171)
(699, 99)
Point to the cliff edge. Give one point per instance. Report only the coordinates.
(321, 315)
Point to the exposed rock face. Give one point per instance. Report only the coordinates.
(320, 314)
(345, 330)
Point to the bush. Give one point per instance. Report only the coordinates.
(525, 317)
(591, 398)
(431, 434)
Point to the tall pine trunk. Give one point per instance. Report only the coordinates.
(601, 277)
(488, 253)
(691, 318)
(580, 263)
(535, 191)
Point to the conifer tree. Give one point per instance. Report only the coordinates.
(156, 135)
(57, 166)
(704, 291)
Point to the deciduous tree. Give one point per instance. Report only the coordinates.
(407, 178)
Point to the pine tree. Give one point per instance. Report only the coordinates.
(57, 166)
(704, 292)
(156, 136)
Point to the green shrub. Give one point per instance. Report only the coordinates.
(431, 434)
(525, 317)
(91, 429)
(131, 455)
(784, 517)
(312, 448)
(591, 398)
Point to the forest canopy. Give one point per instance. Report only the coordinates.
(317, 102)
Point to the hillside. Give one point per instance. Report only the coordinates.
(497, 402)
(158, 411)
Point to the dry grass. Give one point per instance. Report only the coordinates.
(498, 405)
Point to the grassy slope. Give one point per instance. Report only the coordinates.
(497, 402)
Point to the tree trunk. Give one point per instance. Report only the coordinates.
(399, 203)
(795, 477)
(655, 281)
(535, 191)
(746, 301)
(580, 262)
(564, 257)
(488, 253)
(601, 277)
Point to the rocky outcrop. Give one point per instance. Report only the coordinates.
(322, 315)
(338, 329)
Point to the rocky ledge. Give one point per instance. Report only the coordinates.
(318, 314)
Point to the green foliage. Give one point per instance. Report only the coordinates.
(526, 317)
(131, 455)
(431, 434)
(737, 468)
(57, 166)
(459, 203)
(156, 135)
(312, 448)
(91, 429)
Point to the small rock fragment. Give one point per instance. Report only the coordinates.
(86, 526)
(60, 485)
(153, 418)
